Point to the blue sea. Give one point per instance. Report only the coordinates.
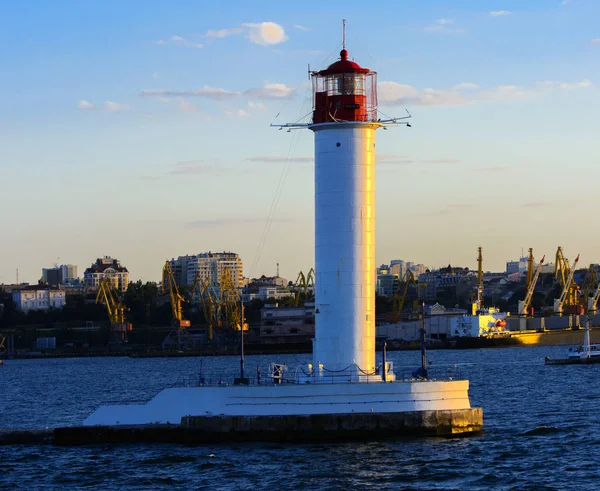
(542, 430)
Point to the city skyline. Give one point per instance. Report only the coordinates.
(117, 134)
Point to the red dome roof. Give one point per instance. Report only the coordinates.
(344, 65)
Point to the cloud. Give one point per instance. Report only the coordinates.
(238, 113)
(442, 26)
(595, 41)
(256, 105)
(440, 161)
(393, 93)
(83, 104)
(278, 159)
(262, 33)
(194, 167)
(564, 2)
(223, 33)
(266, 33)
(302, 28)
(109, 106)
(267, 91)
(465, 86)
(178, 41)
(385, 158)
(500, 13)
(565, 86)
(112, 106)
(224, 222)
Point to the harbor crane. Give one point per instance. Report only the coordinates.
(304, 284)
(170, 285)
(561, 277)
(230, 302)
(209, 302)
(398, 300)
(524, 305)
(591, 293)
(108, 296)
(567, 290)
(479, 302)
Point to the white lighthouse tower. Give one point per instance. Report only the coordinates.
(344, 123)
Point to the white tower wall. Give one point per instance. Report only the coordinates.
(345, 245)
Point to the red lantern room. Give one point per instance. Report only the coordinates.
(344, 92)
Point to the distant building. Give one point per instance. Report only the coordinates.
(387, 284)
(519, 266)
(39, 297)
(69, 272)
(109, 268)
(179, 267)
(52, 276)
(59, 275)
(398, 267)
(211, 265)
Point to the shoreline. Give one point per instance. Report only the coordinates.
(562, 337)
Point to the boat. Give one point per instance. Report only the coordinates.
(585, 354)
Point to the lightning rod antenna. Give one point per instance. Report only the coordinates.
(343, 33)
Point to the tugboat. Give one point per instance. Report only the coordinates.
(585, 354)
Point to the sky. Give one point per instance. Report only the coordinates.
(141, 130)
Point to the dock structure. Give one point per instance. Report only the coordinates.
(279, 429)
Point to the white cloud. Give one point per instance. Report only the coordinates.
(302, 28)
(223, 33)
(83, 104)
(564, 2)
(256, 105)
(267, 91)
(178, 41)
(238, 113)
(188, 167)
(112, 106)
(278, 159)
(263, 33)
(563, 85)
(465, 86)
(442, 26)
(392, 93)
(595, 41)
(266, 33)
(500, 13)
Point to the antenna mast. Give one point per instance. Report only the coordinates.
(343, 33)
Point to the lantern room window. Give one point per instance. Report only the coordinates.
(344, 92)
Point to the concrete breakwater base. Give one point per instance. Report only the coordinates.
(321, 428)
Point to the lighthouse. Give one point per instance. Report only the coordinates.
(344, 123)
(327, 399)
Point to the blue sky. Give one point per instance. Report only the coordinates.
(141, 129)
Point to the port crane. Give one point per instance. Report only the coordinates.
(230, 302)
(179, 323)
(566, 297)
(304, 284)
(479, 303)
(591, 293)
(108, 296)
(398, 300)
(209, 302)
(525, 304)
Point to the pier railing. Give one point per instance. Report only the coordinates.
(403, 374)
